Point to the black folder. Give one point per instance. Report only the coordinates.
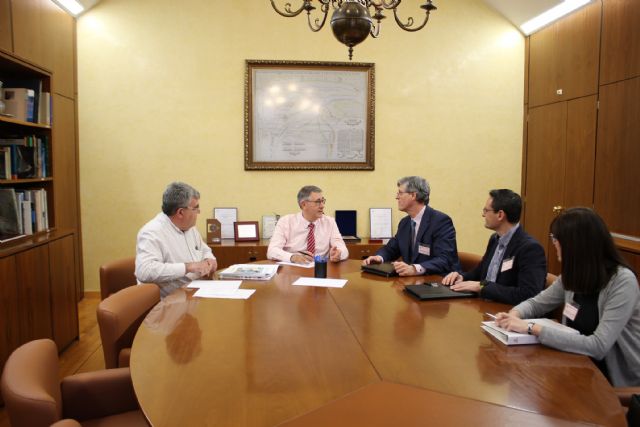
(435, 291)
(385, 269)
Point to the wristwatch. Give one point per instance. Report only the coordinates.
(530, 328)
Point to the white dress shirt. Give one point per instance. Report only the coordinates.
(290, 236)
(163, 249)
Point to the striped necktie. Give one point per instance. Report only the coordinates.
(311, 240)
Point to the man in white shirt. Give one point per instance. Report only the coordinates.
(170, 252)
(299, 237)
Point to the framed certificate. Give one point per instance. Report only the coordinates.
(246, 231)
(380, 223)
(226, 216)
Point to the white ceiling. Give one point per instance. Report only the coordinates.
(520, 11)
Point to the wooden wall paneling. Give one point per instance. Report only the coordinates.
(580, 152)
(527, 42)
(63, 291)
(565, 56)
(34, 296)
(6, 36)
(617, 193)
(62, 49)
(64, 163)
(9, 320)
(28, 30)
(633, 259)
(546, 142)
(620, 57)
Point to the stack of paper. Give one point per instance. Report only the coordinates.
(324, 283)
(515, 338)
(249, 272)
(220, 289)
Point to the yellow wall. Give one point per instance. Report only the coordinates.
(161, 98)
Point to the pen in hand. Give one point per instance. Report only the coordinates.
(492, 316)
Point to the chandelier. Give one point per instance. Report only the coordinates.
(352, 20)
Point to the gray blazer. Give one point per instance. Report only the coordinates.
(617, 337)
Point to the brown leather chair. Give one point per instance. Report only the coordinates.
(34, 396)
(116, 275)
(469, 261)
(119, 317)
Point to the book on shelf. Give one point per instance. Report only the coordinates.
(19, 103)
(5, 162)
(516, 338)
(29, 157)
(30, 84)
(9, 225)
(44, 109)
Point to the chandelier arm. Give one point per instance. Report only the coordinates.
(375, 29)
(316, 25)
(409, 25)
(288, 13)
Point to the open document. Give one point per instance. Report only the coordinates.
(516, 338)
(249, 272)
(323, 283)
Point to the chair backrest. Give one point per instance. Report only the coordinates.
(119, 317)
(30, 384)
(468, 260)
(116, 275)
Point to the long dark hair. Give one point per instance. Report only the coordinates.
(588, 256)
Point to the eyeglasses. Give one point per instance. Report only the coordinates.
(404, 192)
(485, 210)
(318, 202)
(197, 208)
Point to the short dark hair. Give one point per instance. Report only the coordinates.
(508, 202)
(588, 255)
(177, 195)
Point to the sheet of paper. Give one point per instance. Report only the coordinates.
(211, 293)
(324, 283)
(310, 264)
(380, 223)
(220, 286)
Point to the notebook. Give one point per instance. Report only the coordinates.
(435, 291)
(385, 269)
(348, 225)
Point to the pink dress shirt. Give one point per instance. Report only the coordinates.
(290, 236)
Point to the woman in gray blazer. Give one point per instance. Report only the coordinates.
(600, 295)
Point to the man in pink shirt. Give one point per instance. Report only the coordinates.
(299, 237)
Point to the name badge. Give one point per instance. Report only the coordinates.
(507, 264)
(424, 250)
(570, 311)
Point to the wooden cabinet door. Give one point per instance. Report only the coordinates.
(63, 291)
(564, 57)
(29, 30)
(6, 38)
(61, 49)
(34, 296)
(620, 57)
(617, 193)
(560, 164)
(9, 320)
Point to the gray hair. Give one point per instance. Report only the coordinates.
(177, 195)
(418, 185)
(306, 191)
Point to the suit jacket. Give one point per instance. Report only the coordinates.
(436, 235)
(525, 279)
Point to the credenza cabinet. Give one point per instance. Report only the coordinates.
(38, 291)
(229, 252)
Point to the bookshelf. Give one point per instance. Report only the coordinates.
(25, 154)
(41, 273)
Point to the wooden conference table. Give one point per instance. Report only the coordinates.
(366, 354)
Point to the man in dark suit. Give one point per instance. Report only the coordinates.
(426, 238)
(514, 267)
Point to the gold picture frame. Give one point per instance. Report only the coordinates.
(302, 115)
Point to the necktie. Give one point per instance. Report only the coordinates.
(311, 239)
(412, 241)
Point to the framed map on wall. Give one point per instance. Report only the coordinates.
(309, 115)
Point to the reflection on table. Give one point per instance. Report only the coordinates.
(290, 350)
